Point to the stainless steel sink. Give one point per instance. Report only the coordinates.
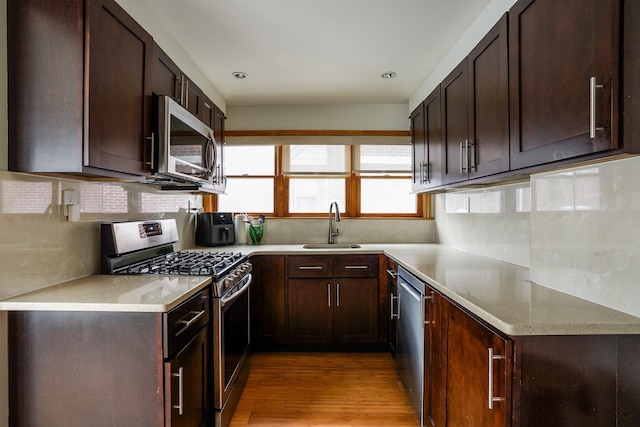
(331, 246)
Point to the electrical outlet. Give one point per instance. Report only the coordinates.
(467, 205)
(69, 197)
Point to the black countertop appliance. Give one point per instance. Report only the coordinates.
(215, 229)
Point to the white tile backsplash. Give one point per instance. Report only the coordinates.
(578, 229)
(494, 222)
(39, 247)
(587, 242)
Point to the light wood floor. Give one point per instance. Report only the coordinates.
(323, 389)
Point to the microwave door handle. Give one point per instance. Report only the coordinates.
(212, 156)
(214, 152)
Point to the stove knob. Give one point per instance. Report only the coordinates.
(247, 267)
(229, 281)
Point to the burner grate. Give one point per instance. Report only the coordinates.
(185, 263)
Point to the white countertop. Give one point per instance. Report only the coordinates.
(497, 292)
(110, 293)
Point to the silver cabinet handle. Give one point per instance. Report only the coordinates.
(592, 107)
(186, 94)
(310, 267)
(198, 314)
(461, 156)
(187, 323)
(329, 294)
(427, 298)
(492, 358)
(180, 375)
(392, 273)
(427, 178)
(471, 165)
(420, 174)
(182, 90)
(151, 140)
(356, 267)
(337, 294)
(392, 314)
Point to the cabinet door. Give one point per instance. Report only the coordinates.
(166, 75)
(555, 48)
(45, 132)
(355, 313)
(355, 266)
(310, 266)
(455, 125)
(268, 300)
(119, 90)
(478, 373)
(426, 136)
(433, 139)
(434, 388)
(186, 390)
(392, 283)
(310, 304)
(489, 103)
(193, 98)
(418, 143)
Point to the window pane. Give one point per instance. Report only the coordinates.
(385, 158)
(317, 158)
(247, 195)
(389, 196)
(249, 160)
(311, 195)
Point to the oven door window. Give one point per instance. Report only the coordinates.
(235, 335)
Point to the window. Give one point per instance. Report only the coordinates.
(304, 179)
(250, 174)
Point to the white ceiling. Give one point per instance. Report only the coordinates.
(316, 51)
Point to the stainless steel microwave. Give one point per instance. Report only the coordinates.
(186, 149)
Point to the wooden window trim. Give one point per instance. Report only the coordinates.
(281, 182)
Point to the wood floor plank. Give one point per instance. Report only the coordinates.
(323, 390)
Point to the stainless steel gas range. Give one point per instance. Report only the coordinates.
(146, 247)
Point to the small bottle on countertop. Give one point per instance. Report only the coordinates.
(240, 226)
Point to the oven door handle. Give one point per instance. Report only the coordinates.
(224, 301)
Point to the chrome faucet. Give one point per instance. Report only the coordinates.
(332, 234)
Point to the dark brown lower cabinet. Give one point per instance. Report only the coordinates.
(268, 300)
(478, 373)
(103, 369)
(337, 311)
(489, 379)
(185, 382)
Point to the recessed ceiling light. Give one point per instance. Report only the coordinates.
(239, 75)
(388, 75)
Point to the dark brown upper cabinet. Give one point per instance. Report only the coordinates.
(475, 111)
(79, 88)
(563, 74)
(169, 80)
(426, 139)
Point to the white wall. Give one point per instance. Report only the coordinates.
(175, 51)
(322, 117)
(467, 42)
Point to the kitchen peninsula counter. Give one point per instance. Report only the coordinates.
(497, 292)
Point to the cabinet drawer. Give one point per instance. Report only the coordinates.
(355, 266)
(310, 266)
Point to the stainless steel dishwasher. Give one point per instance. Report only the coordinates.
(410, 339)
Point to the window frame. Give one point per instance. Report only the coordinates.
(352, 181)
